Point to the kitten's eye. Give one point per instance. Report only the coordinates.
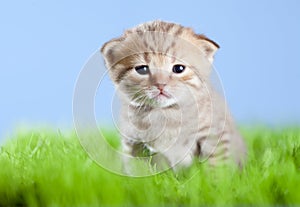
(142, 69)
(178, 68)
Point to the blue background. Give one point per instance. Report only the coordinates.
(44, 44)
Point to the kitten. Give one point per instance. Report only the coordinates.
(161, 71)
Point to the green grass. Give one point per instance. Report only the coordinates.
(47, 168)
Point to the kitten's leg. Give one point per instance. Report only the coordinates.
(180, 156)
(131, 149)
(212, 150)
(127, 148)
(151, 160)
(227, 149)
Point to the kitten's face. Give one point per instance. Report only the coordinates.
(158, 64)
(157, 80)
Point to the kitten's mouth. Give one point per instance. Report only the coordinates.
(164, 99)
(162, 94)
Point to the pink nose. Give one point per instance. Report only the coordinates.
(160, 86)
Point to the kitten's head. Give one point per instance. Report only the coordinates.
(158, 63)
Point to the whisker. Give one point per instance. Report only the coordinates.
(142, 106)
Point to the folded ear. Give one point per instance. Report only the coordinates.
(108, 53)
(208, 46)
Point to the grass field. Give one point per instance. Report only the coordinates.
(47, 168)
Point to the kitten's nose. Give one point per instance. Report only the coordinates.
(160, 86)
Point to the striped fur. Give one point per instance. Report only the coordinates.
(190, 119)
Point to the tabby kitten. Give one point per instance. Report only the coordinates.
(161, 71)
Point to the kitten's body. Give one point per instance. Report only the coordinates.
(168, 105)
